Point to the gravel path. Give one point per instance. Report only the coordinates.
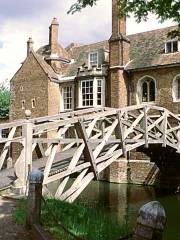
(8, 229)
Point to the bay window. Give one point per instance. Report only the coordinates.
(92, 93)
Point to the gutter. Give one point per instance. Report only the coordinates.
(154, 67)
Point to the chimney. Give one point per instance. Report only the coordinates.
(29, 45)
(118, 58)
(53, 35)
(118, 25)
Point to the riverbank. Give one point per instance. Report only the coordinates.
(79, 219)
(9, 229)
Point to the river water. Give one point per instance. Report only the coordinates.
(124, 201)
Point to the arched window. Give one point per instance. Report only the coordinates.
(146, 89)
(176, 89)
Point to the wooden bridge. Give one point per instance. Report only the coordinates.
(81, 144)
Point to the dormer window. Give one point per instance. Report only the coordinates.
(171, 47)
(93, 58)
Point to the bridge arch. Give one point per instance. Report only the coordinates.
(146, 89)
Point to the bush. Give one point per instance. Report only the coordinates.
(4, 101)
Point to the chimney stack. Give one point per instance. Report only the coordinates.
(118, 57)
(118, 25)
(29, 45)
(53, 35)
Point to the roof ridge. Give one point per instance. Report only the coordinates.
(103, 41)
(154, 30)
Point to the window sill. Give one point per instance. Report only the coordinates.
(176, 100)
(150, 102)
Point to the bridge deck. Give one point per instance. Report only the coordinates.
(61, 162)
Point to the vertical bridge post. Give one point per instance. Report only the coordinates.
(151, 222)
(34, 198)
(27, 135)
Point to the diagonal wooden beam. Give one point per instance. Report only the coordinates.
(85, 181)
(120, 134)
(88, 153)
(129, 130)
(145, 122)
(99, 148)
(6, 147)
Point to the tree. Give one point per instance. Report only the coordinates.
(163, 9)
(4, 101)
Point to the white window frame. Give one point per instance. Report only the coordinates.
(62, 98)
(139, 89)
(95, 82)
(175, 88)
(178, 46)
(93, 64)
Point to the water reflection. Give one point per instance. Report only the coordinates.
(124, 201)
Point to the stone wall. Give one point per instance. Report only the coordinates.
(133, 171)
(28, 84)
(164, 79)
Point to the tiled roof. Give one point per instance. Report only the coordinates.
(46, 67)
(80, 56)
(148, 49)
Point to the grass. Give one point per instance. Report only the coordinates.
(82, 220)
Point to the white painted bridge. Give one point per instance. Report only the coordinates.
(81, 144)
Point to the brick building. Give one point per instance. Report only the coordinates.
(125, 70)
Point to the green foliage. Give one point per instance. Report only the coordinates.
(84, 221)
(4, 101)
(163, 9)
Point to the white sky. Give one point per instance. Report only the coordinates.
(22, 19)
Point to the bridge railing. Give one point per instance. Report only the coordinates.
(82, 144)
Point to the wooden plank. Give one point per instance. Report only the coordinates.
(27, 130)
(76, 184)
(6, 147)
(87, 179)
(164, 129)
(13, 140)
(61, 123)
(155, 123)
(11, 124)
(120, 134)
(88, 153)
(104, 165)
(75, 158)
(129, 130)
(65, 115)
(67, 173)
(145, 123)
(54, 148)
(59, 136)
(98, 149)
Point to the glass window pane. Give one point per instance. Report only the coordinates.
(152, 91)
(144, 92)
(67, 97)
(178, 88)
(175, 46)
(87, 92)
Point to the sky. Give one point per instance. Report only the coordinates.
(21, 19)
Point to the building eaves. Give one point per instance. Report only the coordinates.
(46, 67)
